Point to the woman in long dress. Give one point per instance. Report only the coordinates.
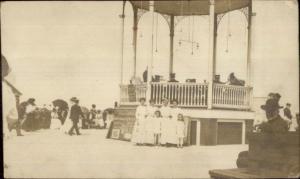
(55, 122)
(67, 124)
(166, 122)
(138, 134)
(149, 122)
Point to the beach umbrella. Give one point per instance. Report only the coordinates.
(63, 105)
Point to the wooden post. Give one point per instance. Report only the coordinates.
(211, 62)
(150, 60)
(171, 46)
(122, 16)
(248, 81)
(135, 30)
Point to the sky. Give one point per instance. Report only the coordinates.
(64, 49)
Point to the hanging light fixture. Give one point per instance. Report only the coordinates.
(228, 27)
(156, 33)
(192, 35)
(141, 5)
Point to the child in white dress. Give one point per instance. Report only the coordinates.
(99, 119)
(157, 127)
(55, 122)
(180, 130)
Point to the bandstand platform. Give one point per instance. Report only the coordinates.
(216, 113)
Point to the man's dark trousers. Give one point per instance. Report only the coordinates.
(74, 126)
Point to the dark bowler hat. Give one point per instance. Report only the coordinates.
(268, 107)
(31, 101)
(74, 99)
(277, 95)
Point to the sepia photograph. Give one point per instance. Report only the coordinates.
(150, 89)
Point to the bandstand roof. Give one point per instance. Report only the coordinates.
(191, 7)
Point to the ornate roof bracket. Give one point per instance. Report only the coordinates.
(219, 18)
(245, 11)
(140, 13)
(167, 18)
(178, 19)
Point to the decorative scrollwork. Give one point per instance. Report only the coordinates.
(219, 18)
(177, 19)
(245, 11)
(140, 13)
(167, 18)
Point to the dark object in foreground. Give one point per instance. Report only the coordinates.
(269, 156)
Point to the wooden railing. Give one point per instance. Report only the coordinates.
(191, 94)
(233, 97)
(187, 94)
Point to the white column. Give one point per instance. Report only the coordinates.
(171, 45)
(211, 51)
(150, 59)
(122, 16)
(249, 48)
(244, 132)
(198, 132)
(135, 29)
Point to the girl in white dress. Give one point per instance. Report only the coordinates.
(138, 134)
(149, 123)
(157, 127)
(165, 111)
(175, 111)
(55, 122)
(99, 118)
(180, 130)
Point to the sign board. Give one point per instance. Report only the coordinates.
(121, 129)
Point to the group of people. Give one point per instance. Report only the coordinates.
(94, 120)
(159, 126)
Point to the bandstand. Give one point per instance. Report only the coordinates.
(218, 113)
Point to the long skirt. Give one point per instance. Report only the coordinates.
(67, 126)
(168, 132)
(138, 134)
(55, 123)
(149, 131)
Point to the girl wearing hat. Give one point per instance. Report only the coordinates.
(138, 135)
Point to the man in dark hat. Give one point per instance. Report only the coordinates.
(75, 113)
(275, 123)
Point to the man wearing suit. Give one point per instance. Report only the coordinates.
(75, 113)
